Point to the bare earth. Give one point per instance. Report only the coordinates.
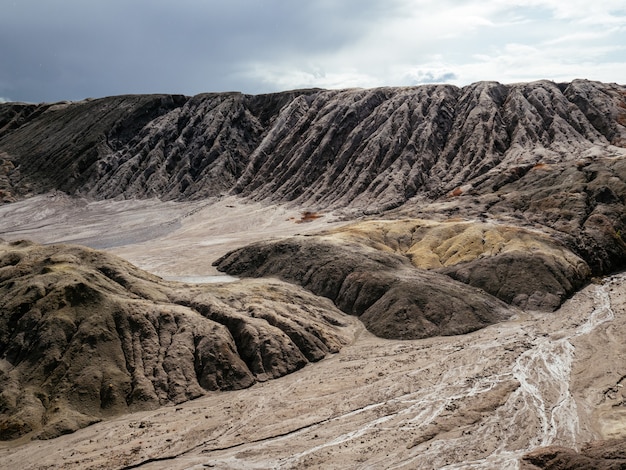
(170, 239)
(480, 400)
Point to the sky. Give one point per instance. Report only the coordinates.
(53, 50)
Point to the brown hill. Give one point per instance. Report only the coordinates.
(85, 335)
(392, 298)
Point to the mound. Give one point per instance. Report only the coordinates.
(391, 297)
(521, 267)
(85, 335)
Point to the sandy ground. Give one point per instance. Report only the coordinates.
(477, 401)
(170, 239)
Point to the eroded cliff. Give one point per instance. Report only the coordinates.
(368, 148)
(474, 204)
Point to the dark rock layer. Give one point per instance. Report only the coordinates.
(391, 297)
(601, 455)
(85, 335)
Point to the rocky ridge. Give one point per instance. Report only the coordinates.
(366, 148)
(392, 266)
(469, 198)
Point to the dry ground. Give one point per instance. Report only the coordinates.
(475, 401)
(166, 238)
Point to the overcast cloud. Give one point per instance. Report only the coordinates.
(54, 50)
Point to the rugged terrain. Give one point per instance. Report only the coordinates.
(480, 400)
(371, 149)
(479, 213)
(85, 335)
(533, 154)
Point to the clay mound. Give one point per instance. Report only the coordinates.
(601, 455)
(522, 267)
(85, 335)
(391, 297)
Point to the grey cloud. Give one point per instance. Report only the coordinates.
(72, 49)
(69, 49)
(422, 77)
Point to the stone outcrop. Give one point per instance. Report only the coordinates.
(85, 335)
(600, 455)
(391, 297)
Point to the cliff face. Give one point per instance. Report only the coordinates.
(378, 148)
(364, 148)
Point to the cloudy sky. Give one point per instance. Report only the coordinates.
(54, 50)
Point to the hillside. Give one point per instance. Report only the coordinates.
(477, 224)
(371, 148)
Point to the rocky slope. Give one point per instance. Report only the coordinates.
(597, 456)
(85, 335)
(477, 401)
(540, 153)
(474, 204)
(326, 148)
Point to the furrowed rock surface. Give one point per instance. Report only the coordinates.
(541, 153)
(58, 146)
(474, 204)
(85, 336)
(367, 148)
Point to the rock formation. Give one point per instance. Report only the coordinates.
(85, 335)
(538, 153)
(393, 299)
(367, 148)
(473, 204)
(524, 268)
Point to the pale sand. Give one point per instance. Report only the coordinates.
(171, 239)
